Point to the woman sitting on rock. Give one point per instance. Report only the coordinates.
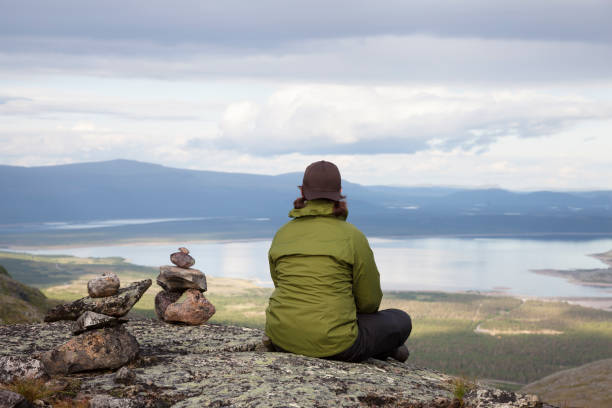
(327, 287)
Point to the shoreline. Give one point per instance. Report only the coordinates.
(123, 243)
(598, 277)
(602, 302)
(568, 276)
(196, 240)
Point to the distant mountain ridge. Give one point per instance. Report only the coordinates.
(121, 189)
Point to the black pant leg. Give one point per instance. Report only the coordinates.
(379, 335)
(384, 331)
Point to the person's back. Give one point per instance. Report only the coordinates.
(327, 287)
(312, 310)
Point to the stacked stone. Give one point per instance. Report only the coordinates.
(176, 281)
(101, 341)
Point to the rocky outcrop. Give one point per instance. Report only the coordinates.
(117, 305)
(218, 366)
(93, 350)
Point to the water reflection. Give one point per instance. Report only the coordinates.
(450, 264)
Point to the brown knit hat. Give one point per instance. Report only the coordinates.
(322, 180)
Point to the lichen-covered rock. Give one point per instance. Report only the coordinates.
(173, 278)
(125, 376)
(9, 399)
(251, 379)
(182, 259)
(106, 401)
(93, 350)
(194, 310)
(13, 367)
(92, 320)
(491, 397)
(117, 305)
(216, 365)
(105, 285)
(156, 338)
(164, 299)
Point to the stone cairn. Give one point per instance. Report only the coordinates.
(101, 341)
(176, 281)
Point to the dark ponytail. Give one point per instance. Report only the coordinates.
(299, 203)
(340, 209)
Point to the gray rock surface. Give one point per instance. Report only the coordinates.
(12, 367)
(105, 285)
(155, 338)
(106, 401)
(194, 310)
(117, 305)
(92, 350)
(164, 299)
(9, 399)
(217, 366)
(173, 278)
(487, 398)
(92, 320)
(125, 376)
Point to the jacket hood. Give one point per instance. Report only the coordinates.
(315, 208)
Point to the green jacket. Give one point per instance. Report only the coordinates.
(324, 274)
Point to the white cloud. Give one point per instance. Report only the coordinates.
(471, 136)
(366, 120)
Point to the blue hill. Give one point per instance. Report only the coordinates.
(123, 189)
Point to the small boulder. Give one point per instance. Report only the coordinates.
(125, 376)
(106, 285)
(12, 367)
(107, 348)
(10, 399)
(117, 305)
(172, 278)
(195, 310)
(182, 259)
(164, 299)
(92, 320)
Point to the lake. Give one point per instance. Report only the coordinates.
(447, 264)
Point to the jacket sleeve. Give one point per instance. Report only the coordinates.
(366, 279)
(272, 269)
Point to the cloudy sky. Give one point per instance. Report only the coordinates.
(514, 93)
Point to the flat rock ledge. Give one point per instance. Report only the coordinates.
(226, 366)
